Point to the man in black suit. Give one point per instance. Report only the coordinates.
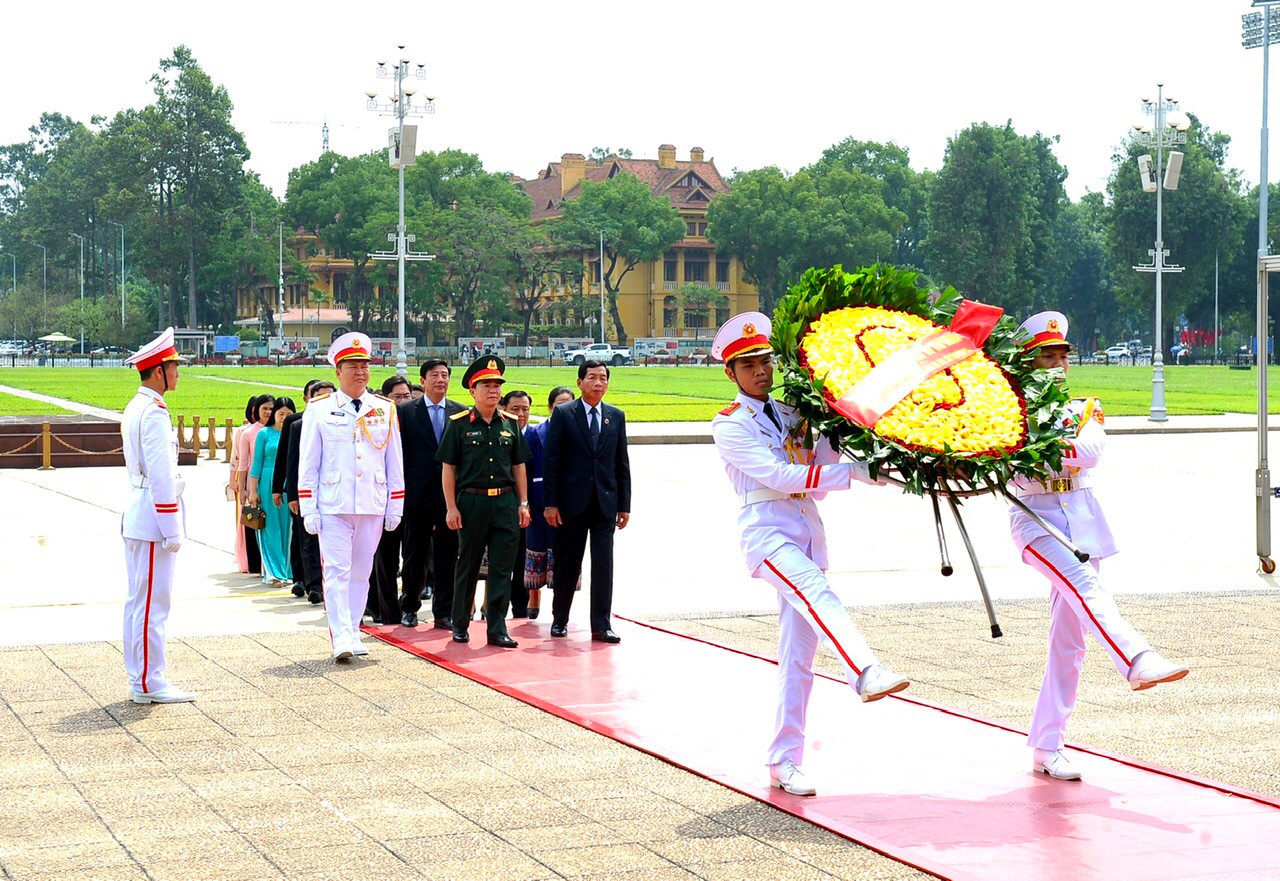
(304, 548)
(422, 424)
(586, 488)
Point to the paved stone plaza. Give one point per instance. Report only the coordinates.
(289, 766)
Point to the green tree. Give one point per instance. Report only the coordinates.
(779, 226)
(637, 226)
(349, 203)
(901, 187)
(991, 215)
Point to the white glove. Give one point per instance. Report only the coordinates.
(170, 544)
(311, 523)
(863, 474)
(390, 523)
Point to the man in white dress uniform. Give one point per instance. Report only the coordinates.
(1080, 603)
(350, 486)
(153, 522)
(778, 481)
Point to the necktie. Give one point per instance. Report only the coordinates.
(594, 425)
(773, 417)
(355, 402)
(437, 420)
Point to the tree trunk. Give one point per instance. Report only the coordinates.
(617, 318)
(191, 278)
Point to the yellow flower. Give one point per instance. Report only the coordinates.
(970, 409)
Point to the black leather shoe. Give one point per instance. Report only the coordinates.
(426, 593)
(445, 623)
(503, 642)
(533, 613)
(605, 636)
(410, 619)
(377, 619)
(518, 614)
(299, 589)
(461, 636)
(559, 630)
(315, 597)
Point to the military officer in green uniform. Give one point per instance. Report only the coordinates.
(486, 496)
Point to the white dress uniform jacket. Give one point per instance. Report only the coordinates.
(772, 473)
(154, 510)
(1075, 512)
(349, 461)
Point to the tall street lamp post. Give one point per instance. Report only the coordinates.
(602, 286)
(1167, 126)
(14, 294)
(1258, 31)
(80, 239)
(124, 276)
(401, 153)
(280, 324)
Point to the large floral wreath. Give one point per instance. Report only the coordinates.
(984, 419)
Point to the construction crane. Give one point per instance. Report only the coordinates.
(324, 129)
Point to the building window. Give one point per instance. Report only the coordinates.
(722, 270)
(695, 270)
(669, 269)
(702, 229)
(339, 289)
(691, 228)
(669, 311)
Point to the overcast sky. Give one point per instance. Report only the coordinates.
(521, 83)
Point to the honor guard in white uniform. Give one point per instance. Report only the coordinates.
(153, 523)
(1080, 603)
(778, 482)
(350, 486)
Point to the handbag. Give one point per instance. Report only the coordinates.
(253, 517)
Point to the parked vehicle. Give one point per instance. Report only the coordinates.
(605, 353)
(1119, 353)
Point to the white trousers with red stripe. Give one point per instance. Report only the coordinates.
(347, 546)
(146, 608)
(808, 612)
(1080, 606)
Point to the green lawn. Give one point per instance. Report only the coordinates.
(648, 394)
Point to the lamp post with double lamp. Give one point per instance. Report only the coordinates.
(1263, 29)
(1167, 126)
(402, 152)
(602, 286)
(80, 239)
(124, 276)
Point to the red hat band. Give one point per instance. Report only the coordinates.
(485, 373)
(1046, 338)
(351, 352)
(745, 346)
(169, 354)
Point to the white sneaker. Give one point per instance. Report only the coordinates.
(358, 648)
(879, 681)
(787, 777)
(342, 651)
(1055, 764)
(170, 694)
(1150, 669)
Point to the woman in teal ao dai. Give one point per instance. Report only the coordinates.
(273, 539)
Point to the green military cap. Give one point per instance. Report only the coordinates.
(484, 367)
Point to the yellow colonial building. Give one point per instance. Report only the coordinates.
(314, 309)
(648, 302)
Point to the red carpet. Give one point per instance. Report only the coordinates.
(931, 787)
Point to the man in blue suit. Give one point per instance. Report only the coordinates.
(586, 489)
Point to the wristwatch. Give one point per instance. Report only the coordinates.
(524, 504)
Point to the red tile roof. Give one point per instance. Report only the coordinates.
(544, 189)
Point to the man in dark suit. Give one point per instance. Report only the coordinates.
(304, 548)
(422, 424)
(586, 489)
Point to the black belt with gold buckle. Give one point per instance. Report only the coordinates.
(491, 491)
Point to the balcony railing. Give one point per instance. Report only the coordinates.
(722, 286)
(668, 285)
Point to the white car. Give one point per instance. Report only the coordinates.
(1119, 353)
(605, 353)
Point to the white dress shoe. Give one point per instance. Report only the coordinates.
(358, 648)
(787, 777)
(879, 681)
(342, 651)
(1150, 669)
(1055, 764)
(170, 694)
